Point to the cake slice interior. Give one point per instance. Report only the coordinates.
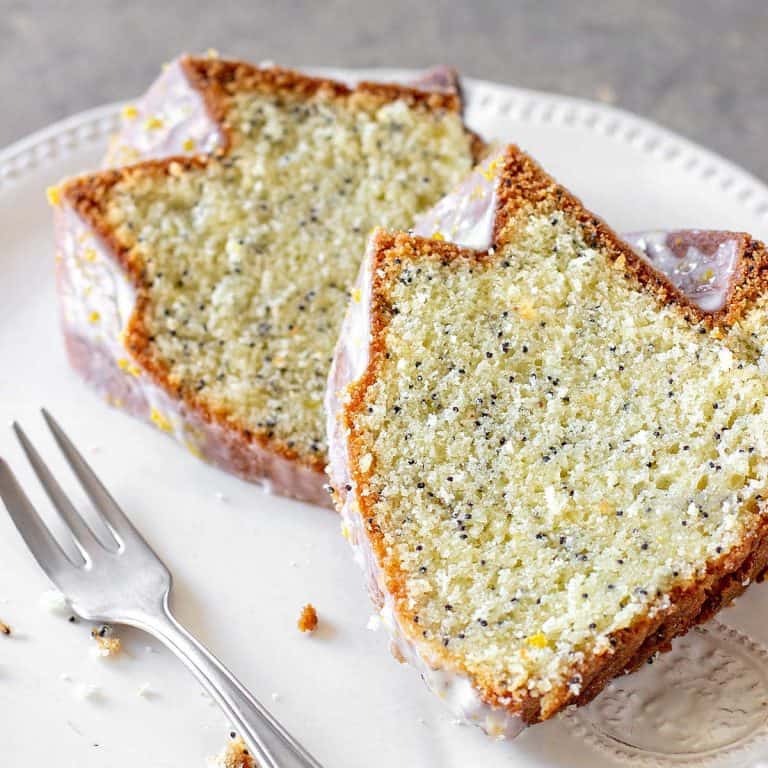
(242, 262)
(554, 461)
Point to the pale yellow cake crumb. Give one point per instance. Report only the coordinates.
(250, 338)
(235, 755)
(547, 455)
(107, 644)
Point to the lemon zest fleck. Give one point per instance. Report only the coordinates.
(490, 172)
(539, 640)
(54, 195)
(127, 366)
(160, 421)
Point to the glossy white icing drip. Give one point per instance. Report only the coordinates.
(350, 362)
(705, 278)
(170, 119)
(97, 301)
(466, 216)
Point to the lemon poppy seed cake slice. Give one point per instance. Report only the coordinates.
(174, 117)
(205, 292)
(550, 460)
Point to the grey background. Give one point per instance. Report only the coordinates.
(697, 66)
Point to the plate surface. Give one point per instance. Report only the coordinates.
(245, 562)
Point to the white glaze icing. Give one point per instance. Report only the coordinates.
(466, 216)
(440, 78)
(97, 300)
(170, 119)
(704, 277)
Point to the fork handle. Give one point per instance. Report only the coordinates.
(269, 742)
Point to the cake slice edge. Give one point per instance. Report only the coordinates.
(96, 309)
(498, 711)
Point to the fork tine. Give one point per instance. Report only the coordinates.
(33, 530)
(81, 532)
(114, 517)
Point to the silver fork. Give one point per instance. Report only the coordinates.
(127, 583)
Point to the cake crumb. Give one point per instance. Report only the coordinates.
(235, 755)
(86, 691)
(374, 622)
(4, 628)
(308, 619)
(54, 601)
(144, 690)
(106, 643)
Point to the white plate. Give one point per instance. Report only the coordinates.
(245, 566)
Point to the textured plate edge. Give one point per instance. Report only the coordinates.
(628, 129)
(58, 139)
(576, 723)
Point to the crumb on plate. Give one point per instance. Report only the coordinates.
(144, 690)
(4, 628)
(307, 619)
(106, 642)
(235, 755)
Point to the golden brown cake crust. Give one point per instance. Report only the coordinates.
(249, 453)
(218, 79)
(523, 185)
